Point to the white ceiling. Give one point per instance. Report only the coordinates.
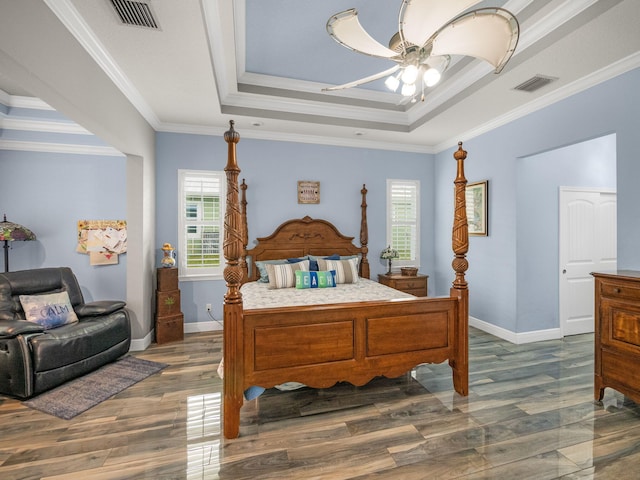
(263, 63)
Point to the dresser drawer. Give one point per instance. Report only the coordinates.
(621, 368)
(409, 283)
(621, 324)
(619, 291)
(418, 292)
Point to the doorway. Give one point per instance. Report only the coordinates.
(588, 165)
(588, 243)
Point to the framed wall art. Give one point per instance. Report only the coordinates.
(477, 208)
(308, 191)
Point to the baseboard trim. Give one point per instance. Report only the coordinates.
(197, 327)
(140, 344)
(517, 338)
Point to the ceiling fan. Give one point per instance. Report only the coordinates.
(429, 32)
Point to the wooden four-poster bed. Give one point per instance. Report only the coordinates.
(322, 344)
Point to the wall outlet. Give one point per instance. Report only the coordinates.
(208, 307)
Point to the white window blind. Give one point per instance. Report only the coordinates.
(201, 223)
(403, 226)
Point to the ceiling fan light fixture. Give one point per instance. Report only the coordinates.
(408, 89)
(410, 74)
(431, 77)
(392, 82)
(429, 32)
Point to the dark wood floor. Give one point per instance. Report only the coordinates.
(529, 415)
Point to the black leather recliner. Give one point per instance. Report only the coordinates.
(33, 360)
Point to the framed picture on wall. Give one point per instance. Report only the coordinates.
(477, 208)
(308, 191)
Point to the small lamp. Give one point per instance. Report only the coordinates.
(10, 232)
(387, 254)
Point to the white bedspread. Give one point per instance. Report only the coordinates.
(257, 295)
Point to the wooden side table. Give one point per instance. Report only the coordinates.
(415, 285)
(169, 318)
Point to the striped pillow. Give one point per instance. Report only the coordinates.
(284, 276)
(346, 270)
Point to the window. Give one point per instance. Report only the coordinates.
(201, 223)
(403, 225)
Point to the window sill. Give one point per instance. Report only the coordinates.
(200, 278)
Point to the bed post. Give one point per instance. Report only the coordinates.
(245, 232)
(233, 324)
(364, 234)
(459, 289)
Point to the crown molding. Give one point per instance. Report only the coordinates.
(47, 147)
(17, 101)
(277, 136)
(30, 125)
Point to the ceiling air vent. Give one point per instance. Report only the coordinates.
(138, 14)
(535, 83)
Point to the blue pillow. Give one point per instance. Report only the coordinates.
(296, 260)
(313, 261)
(253, 392)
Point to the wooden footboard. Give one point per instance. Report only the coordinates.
(320, 345)
(347, 342)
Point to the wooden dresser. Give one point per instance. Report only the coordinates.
(169, 318)
(617, 333)
(415, 285)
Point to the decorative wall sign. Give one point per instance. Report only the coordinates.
(308, 191)
(477, 208)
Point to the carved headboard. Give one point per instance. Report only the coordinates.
(305, 236)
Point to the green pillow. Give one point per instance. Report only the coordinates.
(324, 279)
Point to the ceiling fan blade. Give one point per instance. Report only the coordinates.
(345, 28)
(420, 19)
(490, 34)
(362, 81)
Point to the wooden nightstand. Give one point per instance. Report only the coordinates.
(414, 285)
(169, 318)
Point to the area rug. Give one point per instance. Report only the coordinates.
(79, 395)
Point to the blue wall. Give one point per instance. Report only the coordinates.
(494, 280)
(49, 193)
(271, 170)
(539, 178)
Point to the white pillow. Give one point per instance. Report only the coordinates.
(346, 270)
(284, 276)
(49, 310)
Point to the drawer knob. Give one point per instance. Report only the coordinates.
(617, 290)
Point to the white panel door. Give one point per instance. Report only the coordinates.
(588, 236)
